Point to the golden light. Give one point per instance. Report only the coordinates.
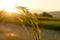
(10, 5)
(11, 34)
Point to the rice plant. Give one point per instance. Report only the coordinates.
(31, 20)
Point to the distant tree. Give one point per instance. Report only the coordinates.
(46, 14)
(35, 14)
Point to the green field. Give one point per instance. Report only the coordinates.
(49, 23)
(43, 22)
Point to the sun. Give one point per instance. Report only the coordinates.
(9, 5)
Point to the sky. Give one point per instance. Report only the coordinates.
(44, 5)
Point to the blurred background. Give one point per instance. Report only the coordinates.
(29, 20)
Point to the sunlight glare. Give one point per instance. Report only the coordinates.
(9, 5)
